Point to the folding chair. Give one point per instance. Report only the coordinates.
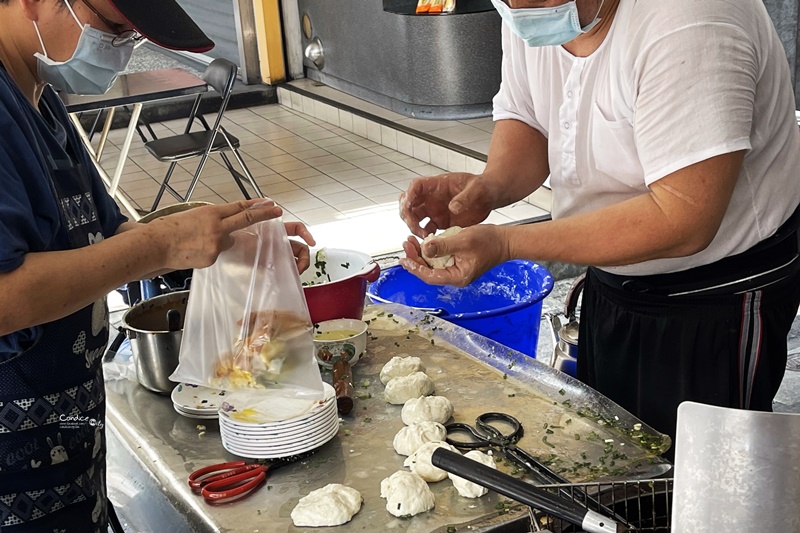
(220, 75)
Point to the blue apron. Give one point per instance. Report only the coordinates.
(52, 398)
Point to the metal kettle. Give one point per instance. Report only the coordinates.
(565, 336)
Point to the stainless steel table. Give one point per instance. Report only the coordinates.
(152, 449)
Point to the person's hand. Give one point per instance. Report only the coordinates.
(452, 199)
(195, 238)
(300, 251)
(476, 250)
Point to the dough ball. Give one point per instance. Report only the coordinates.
(399, 367)
(406, 494)
(427, 409)
(445, 261)
(411, 438)
(420, 461)
(468, 489)
(332, 505)
(400, 390)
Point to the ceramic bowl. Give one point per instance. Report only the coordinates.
(349, 348)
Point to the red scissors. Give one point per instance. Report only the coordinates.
(226, 482)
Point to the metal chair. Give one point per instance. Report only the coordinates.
(220, 75)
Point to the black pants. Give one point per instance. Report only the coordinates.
(649, 352)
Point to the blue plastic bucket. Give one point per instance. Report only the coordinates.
(505, 304)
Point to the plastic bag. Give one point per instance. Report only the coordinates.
(247, 324)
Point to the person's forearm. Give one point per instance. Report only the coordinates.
(680, 216)
(128, 226)
(517, 162)
(623, 234)
(52, 285)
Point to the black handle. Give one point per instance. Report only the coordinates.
(484, 423)
(508, 486)
(571, 302)
(114, 347)
(173, 320)
(458, 428)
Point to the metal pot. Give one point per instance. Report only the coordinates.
(155, 328)
(171, 210)
(565, 336)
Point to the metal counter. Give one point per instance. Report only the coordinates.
(152, 449)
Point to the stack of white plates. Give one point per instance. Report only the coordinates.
(255, 434)
(195, 401)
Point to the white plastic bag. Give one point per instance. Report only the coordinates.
(247, 324)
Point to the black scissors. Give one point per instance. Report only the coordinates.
(487, 435)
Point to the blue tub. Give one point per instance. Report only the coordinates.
(505, 304)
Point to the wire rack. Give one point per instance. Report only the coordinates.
(645, 505)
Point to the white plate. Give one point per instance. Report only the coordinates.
(277, 439)
(270, 433)
(205, 416)
(278, 454)
(328, 411)
(194, 398)
(198, 412)
(296, 443)
(290, 448)
(260, 419)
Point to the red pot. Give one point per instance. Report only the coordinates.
(335, 285)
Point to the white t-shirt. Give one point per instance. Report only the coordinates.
(674, 83)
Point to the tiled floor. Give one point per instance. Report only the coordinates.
(343, 185)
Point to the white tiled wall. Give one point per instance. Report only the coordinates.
(416, 147)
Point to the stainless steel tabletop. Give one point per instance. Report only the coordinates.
(153, 449)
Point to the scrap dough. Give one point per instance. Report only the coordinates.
(420, 461)
(332, 505)
(427, 408)
(406, 494)
(444, 261)
(411, 438)
(399, 367)
(468, 489)
(400, 390)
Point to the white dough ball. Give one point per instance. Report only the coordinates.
(427, 409)
(400, 390)
(444, 261)
(411, 438)
(420, 461)
(468, 489)
(406, 494)
(399, 367)
(332, 505)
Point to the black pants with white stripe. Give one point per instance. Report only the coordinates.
(649, 352)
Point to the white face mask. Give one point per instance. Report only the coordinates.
(94, 65)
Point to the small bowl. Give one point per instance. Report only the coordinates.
(349, 348)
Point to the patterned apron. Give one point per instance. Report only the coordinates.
(52, 398)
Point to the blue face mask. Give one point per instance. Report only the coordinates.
(93, 67)
(545, 26)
